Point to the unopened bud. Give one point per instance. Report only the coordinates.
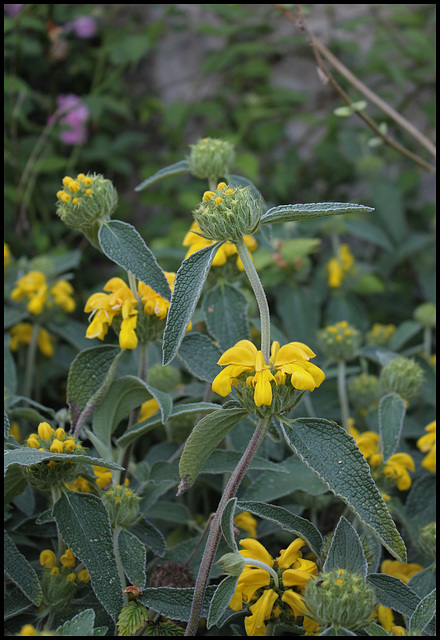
(232, 564)
(426, 315)
(211, 158)
(403, 376)
(427, 540)
(340, 341)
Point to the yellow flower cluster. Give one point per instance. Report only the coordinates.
(281, 581)
(380, 334)
(427, 444)
(247, 522)
(103, 478)
(75, 189)
(339, 267)
(397, 466)
(290, 360)
(30, 630)
(121, 301)
(7, 254)
(55, 441)
(227, 249)
(21, 333)
(34, 286)
(48, 560)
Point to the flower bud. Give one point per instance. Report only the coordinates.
(403, 376)
(340, 341)
(45, 431)
(211, 158)
(340, 598)
(122, 505)
(364, 391)
(425, 314)
(380, 334)
(232, 564)
(228, 213)
(164, 378)
(86, 203)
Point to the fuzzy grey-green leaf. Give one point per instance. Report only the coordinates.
(21, 572)
(84, 525)
(133, 557)
(225, 312)
(79, 625)
(200, 354)
(204, 438)
(221, 599)
(393, 593)
(346, 550)
(333, 455)
(25, 457)
(309, 211)
(391, 414)
(423, 613)
(190, 278)
(175, 602)
(227, 523)
(175, 169)
(125, 246)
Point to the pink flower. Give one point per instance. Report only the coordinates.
(13, 9)
(83, 26)
(74, 113)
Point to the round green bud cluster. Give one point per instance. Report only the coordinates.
(284, 398)
(211, 158)
(364, 391)
(425, 314)
(122, 505)
(380, 334)
(85, 203)
(164, 378)
(228, 213)
(340, 598)
(340, 341)
(403, 376)
(427, 540)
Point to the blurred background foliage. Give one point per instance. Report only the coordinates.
(152, 79)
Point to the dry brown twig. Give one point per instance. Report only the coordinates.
(320, 51)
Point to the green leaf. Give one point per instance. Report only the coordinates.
(391, 414)
(423, 582)
(9, 369)
(80, 625)
(131, 618)
(393, 593)
(404, 332)
(14, 484)
(225, 312)
(340, 631)
(21, 572)
(123, 244)
(188, 285)
(202, 441)
(288, 521)
(221, 461)
(221, 599)
(199, 354)
(374, 629)
(293, 212)
(423, 614)
(151, 536)
(175, 602)
(90, 375)
(84, 525)
(346, 550)
(133, 557)
(333, 455)
(227, 523)
(175, 169)
(139, 429)
(25, 457)
(369, 232)
(15, 602)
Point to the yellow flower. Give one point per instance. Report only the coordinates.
(385, 617)
(148, 408)
(427, 444)
(62, 292)
(261, 611)
(396, 467)
(367, 442)
(68, 559)
(33, 285)
(21, 333)
(295, 601)
(48, 559)
(104, 476)
(7, 255)
(246, 521)
(45, 431)
(340, 266)
(14, 430)
(28, 630)
(83, 576)
(402, 570)
(291, 359)
(56, 446)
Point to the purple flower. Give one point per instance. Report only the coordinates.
(83, 26)
(72, 111)
(13, 9)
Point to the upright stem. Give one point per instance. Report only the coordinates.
(427, 342)
(215, 531)
(260, 296)
(342, 392)
(30, 362)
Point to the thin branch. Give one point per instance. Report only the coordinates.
(318, 48)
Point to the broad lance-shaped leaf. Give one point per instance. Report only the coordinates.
(84, 526)
(190, 278)
(221, 599)
(175, 169)
(133, 557)
(21, 572)
(227, 523)
(225, 312)
(200, 355)
(202, 441)
(25, 457)
(294, 212)
(423, 614)
(175, 602)
(124, 245)
(333, 455)
(391, 415)
(346, 550)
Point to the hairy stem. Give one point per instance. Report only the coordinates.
(215, 530)
(342, 392)
(260, 296)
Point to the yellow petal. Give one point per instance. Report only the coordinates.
(257, 550)
(238, 355)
